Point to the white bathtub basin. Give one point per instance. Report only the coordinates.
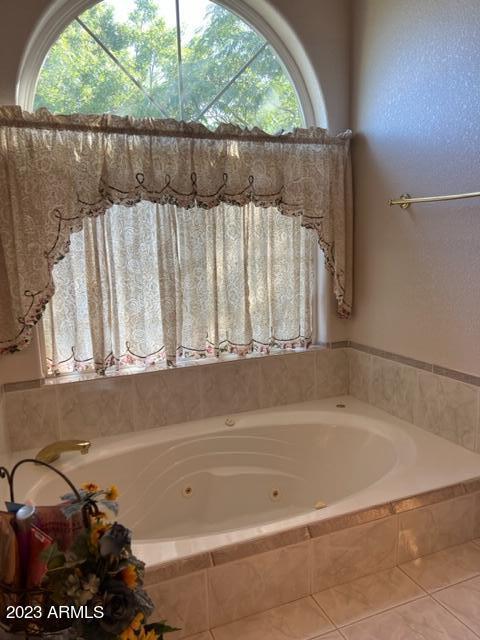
(204, 484)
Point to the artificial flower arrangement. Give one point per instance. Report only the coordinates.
(100, 572)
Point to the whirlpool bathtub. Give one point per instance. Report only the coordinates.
(205, 484)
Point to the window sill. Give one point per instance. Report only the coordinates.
(134, 370)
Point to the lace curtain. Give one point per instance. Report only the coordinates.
(153, 281)
(56, 172)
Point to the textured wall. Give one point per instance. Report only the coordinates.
(415, 110)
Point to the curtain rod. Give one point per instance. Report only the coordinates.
(406, 199)
(288, 138)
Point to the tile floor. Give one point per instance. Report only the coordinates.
(436, 597)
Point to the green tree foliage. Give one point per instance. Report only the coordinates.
(79, 77)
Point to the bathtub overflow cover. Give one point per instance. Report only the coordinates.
(230, 422)
(187, 491)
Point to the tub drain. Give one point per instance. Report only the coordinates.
(274, 494)
(187, 491)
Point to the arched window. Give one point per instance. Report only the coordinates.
(140, 277)
(191, 60)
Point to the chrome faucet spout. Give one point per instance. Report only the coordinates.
(52, 451)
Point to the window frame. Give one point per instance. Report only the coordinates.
(274, 29)
(261, 16)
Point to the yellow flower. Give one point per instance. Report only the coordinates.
(97, 532)
(148, 635)
(129, 576)
(130, 632)
(91, 487)
(112, 493)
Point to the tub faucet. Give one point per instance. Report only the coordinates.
(52, 451)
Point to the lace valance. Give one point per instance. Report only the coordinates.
(57, 170)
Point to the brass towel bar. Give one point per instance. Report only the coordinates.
(406, 199)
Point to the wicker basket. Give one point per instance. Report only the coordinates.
(20, 597)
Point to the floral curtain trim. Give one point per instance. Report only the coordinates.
(130, 359)
(55, 171)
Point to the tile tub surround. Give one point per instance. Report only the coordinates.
(439, 400)
(374, 560)
(120, 404)
(433, 597)
(444, 402)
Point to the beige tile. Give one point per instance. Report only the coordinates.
(359, 374)
(95, 408)
(167, 397)
(446, 567)
(229, 387)
(428, 498)
(242, 588)
(345, 555)
(476, 515)
(463, 600)
(177, 568)
(349, 520)
(299, 620)
(472, 485)
(31, 418)
(367, 596)
(393, 387)
(203, 635)
(447, 408)
(456, 375)
(182, 602)
(334, 635)
(436, 527)
(287, 378)
(331, 374)
(422, 619)
(260, 545)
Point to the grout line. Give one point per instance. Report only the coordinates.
(397, 537)
(413, 580)
(207, 597)
(477, 424)
(316, 636)
(58, 414)
(387, 610)
(370, 385)
(324, 612)
(429, 597)
(259, 613)
(454, 584)
(425, 594)
(310, 563)
(453, 615)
